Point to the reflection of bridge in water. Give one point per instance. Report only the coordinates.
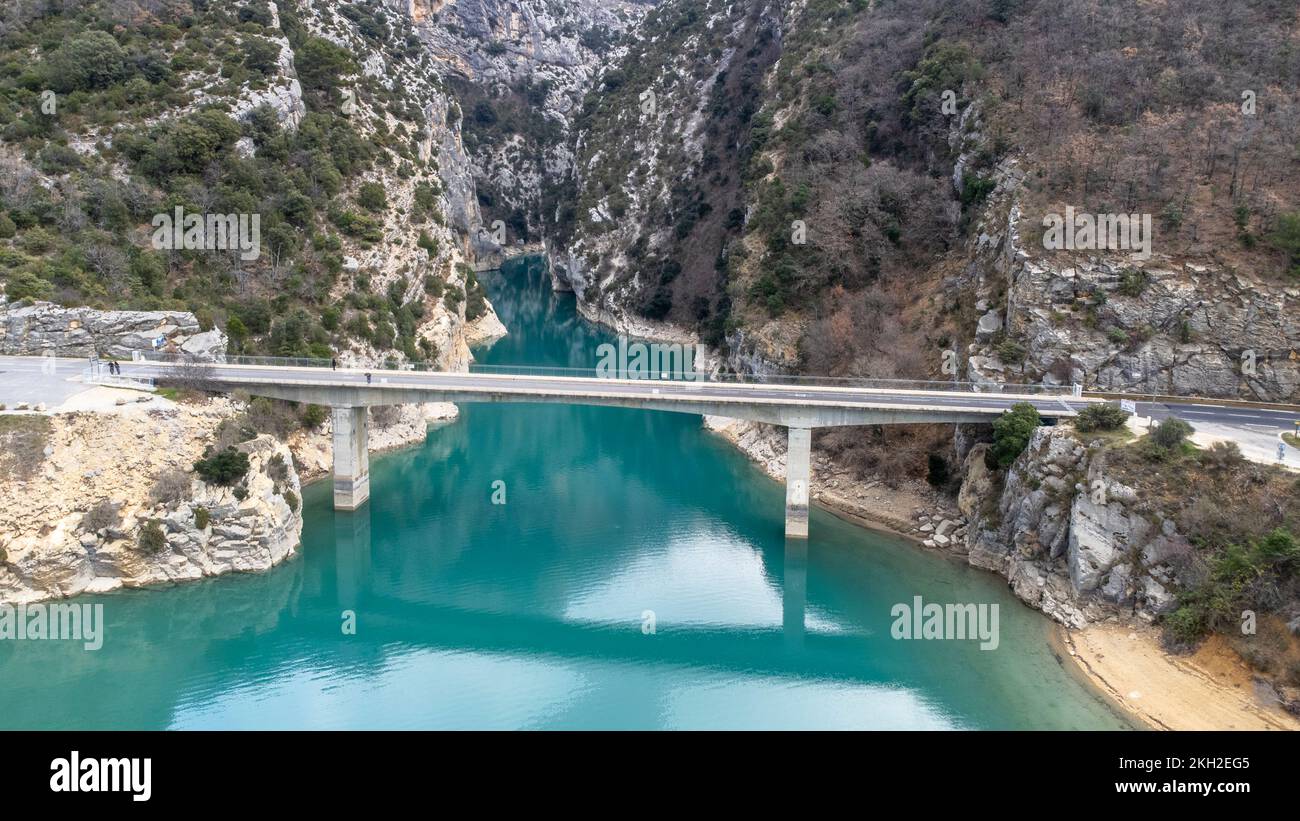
(788, 650)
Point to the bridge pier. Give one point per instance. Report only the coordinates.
(798, 474)
(351, 458)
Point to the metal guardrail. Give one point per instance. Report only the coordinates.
(98, 375)
(627, 373)
(1173, 399)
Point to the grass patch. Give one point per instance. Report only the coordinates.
(22, 445)
(1108, 438)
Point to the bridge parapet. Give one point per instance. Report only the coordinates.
(630, 374)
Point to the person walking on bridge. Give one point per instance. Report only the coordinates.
(367, 377)
(334, 364)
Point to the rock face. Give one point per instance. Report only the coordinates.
(1187, 327)
(556, 49)
(1072, 541)
(1121, 323)
(34, 329)
(53, 549)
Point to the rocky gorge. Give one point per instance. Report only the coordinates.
(506, 92)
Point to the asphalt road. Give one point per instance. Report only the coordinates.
(27, 379)
(23, 379)
(1234, 415)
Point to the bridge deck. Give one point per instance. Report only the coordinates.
(745, 400)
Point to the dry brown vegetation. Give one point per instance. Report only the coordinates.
(1216, 500)
(893, 453)
(1241, 519)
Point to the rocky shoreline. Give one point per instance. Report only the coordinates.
(79, 520)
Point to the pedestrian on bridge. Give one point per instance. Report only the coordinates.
(334, 364)
(367, 377)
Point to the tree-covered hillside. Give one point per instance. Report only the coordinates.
(115, 111)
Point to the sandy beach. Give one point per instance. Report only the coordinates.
(1211, 689)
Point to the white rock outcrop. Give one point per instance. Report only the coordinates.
(1072, 540)
(51, 549)
(31, 330)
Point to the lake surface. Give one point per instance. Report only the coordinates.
(635, 577)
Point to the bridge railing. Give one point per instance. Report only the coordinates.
(98, 375)
(647, 374)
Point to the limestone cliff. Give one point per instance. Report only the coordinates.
(44, 328)
(73, 518)
(1177, 325)
(520, 69)
(1083, 529)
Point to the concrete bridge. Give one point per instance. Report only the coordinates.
(800, 406)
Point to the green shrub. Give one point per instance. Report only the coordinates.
(314, 416)
(371, 196)
(261, 55)
(1011, 352)
(1170, 433)
(7, 227)
(1186, 624)
(1011, 432)
(89, 60)
(26, 285)
(974, 189)
(1236, 577)
(201, 518)
(1133, 282)
(291, 499)
(1100, 417)
(152, 539)
(320, 63)
(223, 468)
(475, 303)
(1286, 238)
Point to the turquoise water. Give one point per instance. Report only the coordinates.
(636, 577)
